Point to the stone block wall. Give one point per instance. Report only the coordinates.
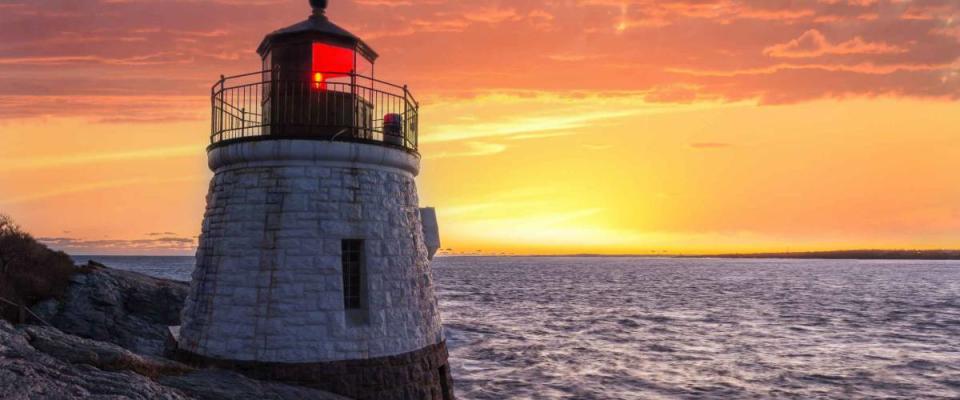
(268, 284)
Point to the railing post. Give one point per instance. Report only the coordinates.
(222, 85)
(406, 114)
(356, 101)
(216, 119)
(243, 120)
(213, 114)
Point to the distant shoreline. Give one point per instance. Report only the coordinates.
(930, 255)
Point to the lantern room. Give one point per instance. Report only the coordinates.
(317, 50)
(316, 81)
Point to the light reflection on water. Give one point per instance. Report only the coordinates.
(173, 267)
(635, 328)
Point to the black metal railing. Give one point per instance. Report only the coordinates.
(347, 107)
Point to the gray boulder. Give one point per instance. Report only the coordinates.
(103, 355)
(124, 308)
(40, 363)
(110, 332)
(28, 374)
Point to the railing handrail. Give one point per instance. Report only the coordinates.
(239, 108)
(24, 309)
(307, 76)
(413, 101)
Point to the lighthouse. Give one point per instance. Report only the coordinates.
(313, 264)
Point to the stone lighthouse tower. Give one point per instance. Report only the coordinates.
(313, 265)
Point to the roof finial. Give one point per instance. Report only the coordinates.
(319, 6)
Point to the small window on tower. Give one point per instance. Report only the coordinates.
(353, 279)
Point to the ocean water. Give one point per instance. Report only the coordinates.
(646, 328)
(177, 268)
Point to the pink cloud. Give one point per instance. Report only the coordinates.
(492, 15)
(812, 43)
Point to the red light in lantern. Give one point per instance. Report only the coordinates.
(330, 62)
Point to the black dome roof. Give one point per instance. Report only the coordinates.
(317, 28)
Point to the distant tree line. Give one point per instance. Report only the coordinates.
(30, 272)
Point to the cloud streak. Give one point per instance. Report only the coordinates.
(534, 115)
(814, 44)
(167, 245)
(710, 145)
(473, 149)
(97, 158)
(90, 187)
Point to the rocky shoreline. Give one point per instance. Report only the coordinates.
(109, 339)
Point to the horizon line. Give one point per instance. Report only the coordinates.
(876, 254)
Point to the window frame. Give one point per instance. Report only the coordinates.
(354, 275)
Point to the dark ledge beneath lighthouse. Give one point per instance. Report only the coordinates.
(421, 374)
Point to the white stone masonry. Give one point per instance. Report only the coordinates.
(268, 284)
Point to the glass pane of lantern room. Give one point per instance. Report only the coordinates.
(364, 72)
(267, 61)
(332, 66)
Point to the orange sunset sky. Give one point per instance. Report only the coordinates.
(548, 126)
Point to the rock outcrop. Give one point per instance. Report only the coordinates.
(27, 373)
(103, 355)
(123, 319)
(43, 363)
(125, 308)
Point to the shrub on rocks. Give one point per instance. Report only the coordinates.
(30, 272)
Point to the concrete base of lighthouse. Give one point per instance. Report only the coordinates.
(267, 297)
